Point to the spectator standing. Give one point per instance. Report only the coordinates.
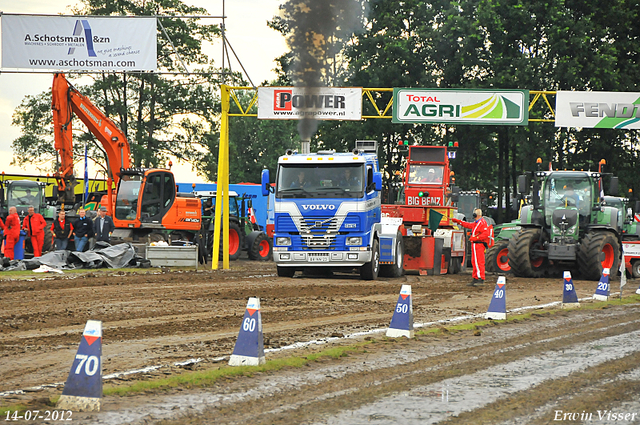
(103, 226)
(479, 239)
(12, 232)
(34, 224)
(61, 229)
(82, 229)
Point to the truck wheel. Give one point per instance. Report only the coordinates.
(370, 270)
(285, 271)
(598, 250)
(635, 269)
(235, 242)
(260, 249)
(522, 262)
(396, 269)
(497, 257)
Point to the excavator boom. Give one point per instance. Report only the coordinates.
(66, 100)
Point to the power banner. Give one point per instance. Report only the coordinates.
(598, 109)
(79, 43)
(321, 103)
(452, 106)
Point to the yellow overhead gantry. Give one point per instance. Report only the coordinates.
(379, 100)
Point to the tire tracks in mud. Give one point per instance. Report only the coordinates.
(391, 367)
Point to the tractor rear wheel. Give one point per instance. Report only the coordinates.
(236, 242)
(522, 261)
(598, 251)
(497, 258)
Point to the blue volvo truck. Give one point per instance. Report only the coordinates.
(327, 214)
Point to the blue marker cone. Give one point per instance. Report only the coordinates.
(498, 306)
(569, 296)
(249, 349)
(402, 320)
(83, 390)
(602, 290)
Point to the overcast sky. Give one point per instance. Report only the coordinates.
(255, 44)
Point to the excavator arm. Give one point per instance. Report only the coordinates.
(66, 100)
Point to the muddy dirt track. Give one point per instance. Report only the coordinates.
(574, 361)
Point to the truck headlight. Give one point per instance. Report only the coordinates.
(354, 240)
(283, 241)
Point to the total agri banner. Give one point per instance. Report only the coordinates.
(455, 106)
(321, 103)
(598, 109)
(79, 43)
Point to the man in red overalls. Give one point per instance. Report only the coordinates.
(479, 239)
(34, 224)
(12, 232)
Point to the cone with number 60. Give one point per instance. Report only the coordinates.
(249, 349)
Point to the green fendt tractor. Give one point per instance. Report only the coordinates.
(568, 226)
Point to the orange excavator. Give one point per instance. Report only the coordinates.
(146, 201)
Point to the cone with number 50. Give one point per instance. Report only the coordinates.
(249, 349)
(83, 390)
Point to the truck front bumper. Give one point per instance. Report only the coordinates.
(321, 258)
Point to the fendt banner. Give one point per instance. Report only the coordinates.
(79, 43)
(455, 106)
(321, 103)
(598, 109)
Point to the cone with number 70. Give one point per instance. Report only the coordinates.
(249, 349)
(83, 390)
(498, 305)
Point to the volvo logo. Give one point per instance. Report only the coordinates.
(318, 207)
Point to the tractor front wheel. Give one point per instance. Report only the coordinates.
(598, 251)
(521, 259)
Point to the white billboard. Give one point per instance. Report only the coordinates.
(460, 106)
(321, 103)
(597, 109)
(79, 43)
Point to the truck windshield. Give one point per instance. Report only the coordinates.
(330, 181)
(565, 192)
(425, 174)
(127, 198)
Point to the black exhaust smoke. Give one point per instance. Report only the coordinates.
(318, 29)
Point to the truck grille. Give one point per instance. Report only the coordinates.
(318, 232)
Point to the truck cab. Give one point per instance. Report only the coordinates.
(327, 211)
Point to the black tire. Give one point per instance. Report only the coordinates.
(455, 265)
(396, 269)
(236, 241)
(370, 270)
(286, 271)
(48, 240)
(598, 250)
(156, 237)
(497, 258)
(635, 269)
(260, 249)
(522, 263)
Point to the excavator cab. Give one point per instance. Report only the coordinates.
(152, 192)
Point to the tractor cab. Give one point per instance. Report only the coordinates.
(23, 194)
